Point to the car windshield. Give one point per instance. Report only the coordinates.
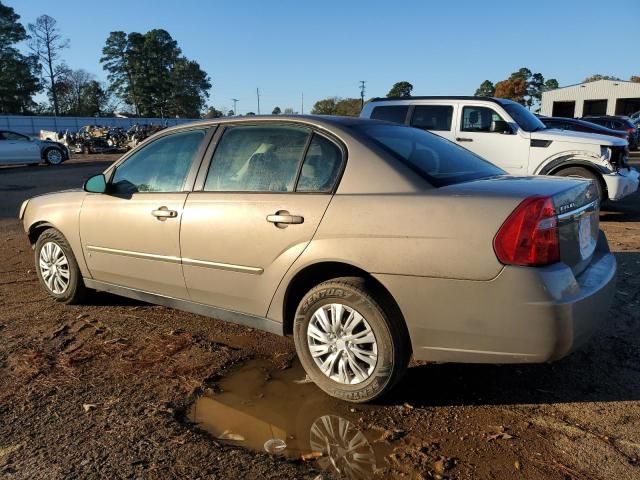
(437, 160)
(523, 117)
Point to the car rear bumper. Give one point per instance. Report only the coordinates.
(622, 183)
(524, 315)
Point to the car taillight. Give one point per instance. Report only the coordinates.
(529, 237)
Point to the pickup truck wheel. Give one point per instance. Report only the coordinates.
(53, 156)
(57, 268)
(346, 342)
(584, 173)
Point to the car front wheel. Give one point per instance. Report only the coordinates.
(346, 341)
(57, 268)
(53, 156)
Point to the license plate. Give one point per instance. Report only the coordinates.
(587, 242)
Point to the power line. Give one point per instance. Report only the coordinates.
(302, 104)
(258, 95)
(362, 90)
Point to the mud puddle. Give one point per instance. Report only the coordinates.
(266, 409)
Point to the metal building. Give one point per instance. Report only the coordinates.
(602, 97)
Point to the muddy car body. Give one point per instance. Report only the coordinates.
(368, 241)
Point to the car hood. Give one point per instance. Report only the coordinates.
(577, 137)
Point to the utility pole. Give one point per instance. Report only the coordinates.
(258, 95)
(362, 89)
(235, 103)
(302, 104)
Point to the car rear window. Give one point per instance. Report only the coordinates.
(435, 159)
(391, 113)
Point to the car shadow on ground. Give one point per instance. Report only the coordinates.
(606, 369)
(627, 210)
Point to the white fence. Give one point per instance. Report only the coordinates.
(31, 125)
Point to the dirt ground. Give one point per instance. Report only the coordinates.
(103, 390)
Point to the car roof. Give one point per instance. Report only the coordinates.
(437, 97)
(322, 121)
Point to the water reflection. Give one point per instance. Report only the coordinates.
(263, 408)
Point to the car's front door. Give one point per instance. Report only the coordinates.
(258, 207)
(17, 148)
(131, 234)
(475, 132)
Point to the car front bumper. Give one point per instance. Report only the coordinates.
(622, 183)
(524, 315)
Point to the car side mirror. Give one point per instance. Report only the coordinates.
(96, 184)
(500, 126)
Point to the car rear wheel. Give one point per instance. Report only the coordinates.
(53, 156)
(57, 268)
(580, 172)
(346, 341)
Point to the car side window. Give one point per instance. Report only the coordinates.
(161, 166)
(257, 158)
(15, 137)
(432, 117)
(391, 113)
(321, 166)
(478, 119)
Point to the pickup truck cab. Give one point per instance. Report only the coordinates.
(511, 137)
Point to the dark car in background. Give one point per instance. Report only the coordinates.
(620, 123)
(575, 125)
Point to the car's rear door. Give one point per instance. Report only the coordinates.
(131, 234)
(436, 118)
(254, 210)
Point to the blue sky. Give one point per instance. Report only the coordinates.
(324, 48)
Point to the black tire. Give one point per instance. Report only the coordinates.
(53, 156)
(588, 174)
(393, 348)
(75, 291)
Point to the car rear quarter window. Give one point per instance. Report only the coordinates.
(321, 166)
(257, 158)
(432, 117)
(391, 113)
(435, 159)
(161, 166)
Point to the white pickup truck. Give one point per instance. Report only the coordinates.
(511, 137)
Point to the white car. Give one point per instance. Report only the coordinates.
(511, 137)
(17, 148)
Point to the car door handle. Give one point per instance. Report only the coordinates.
(461, 139)
(163, 213)
(285, 218)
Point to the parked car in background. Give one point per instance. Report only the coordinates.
(369, 242)
(511, 137)
(575, 125)
(620, 123)
(18, 148)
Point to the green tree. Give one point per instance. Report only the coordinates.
(47, 44)
(149, 73)
(595, 77)
(212, 112)
(349, 107)
(486, 89)
(400, 89)
(18, 73)
(276, 111)
(189, 87)
(325, 106)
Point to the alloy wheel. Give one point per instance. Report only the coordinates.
(54, 156)
(342, 344)
(54, 268)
